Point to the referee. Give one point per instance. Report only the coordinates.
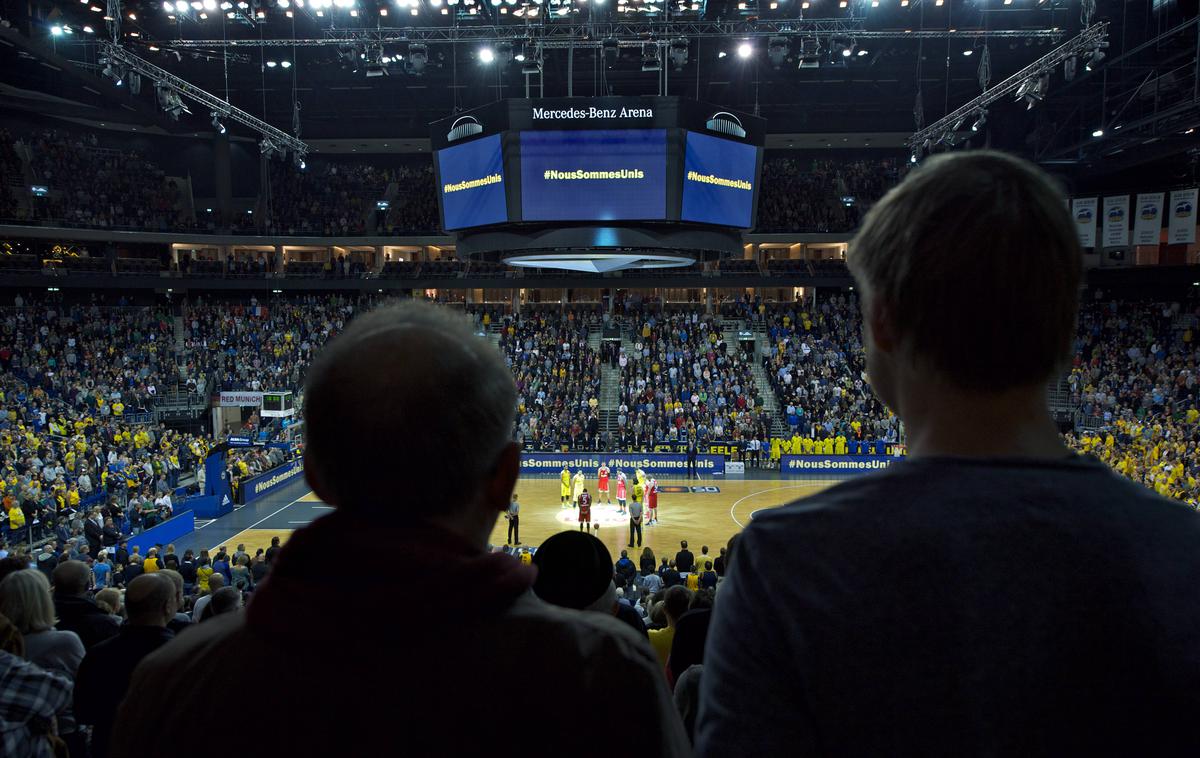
(513, 514)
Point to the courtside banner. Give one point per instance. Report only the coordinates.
(240, 399)
(1147, 218)
(835, 464)
(269, 481)
(657, 464)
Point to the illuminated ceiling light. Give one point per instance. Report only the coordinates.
(874, 3)
(354, 14)
(226, 5)
(939, 3)
(383, 12)
(88, 30)
(168, 6)
(133, 17)
(903, 3)
(197, 5)
(284, 3)
(804, 5)
(271, 64)
(968, 52)
(203, 15)
(56, 31)
(1008, 2)
(1098, 133)
(181, 6)
(745, 50)
(486, 55)
(285, 64)
(861, 53)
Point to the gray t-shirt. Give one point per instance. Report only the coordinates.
(514, 508)
(635, 510)
(951, 606)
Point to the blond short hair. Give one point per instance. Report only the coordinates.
(25, 600)
(978, 261)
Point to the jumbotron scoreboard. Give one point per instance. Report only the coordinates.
(605, 161)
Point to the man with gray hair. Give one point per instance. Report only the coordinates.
(409, 418)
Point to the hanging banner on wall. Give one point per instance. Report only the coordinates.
(1147, 219)
(1116, 221)
(1083, 210)
(1181, 226)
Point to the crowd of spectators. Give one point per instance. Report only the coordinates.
(822, 195)
(340, 198)
(682, 382)
(813, 356)
(261, 346)
(11, 174)
(557, 376)
(1134, 380)
(95, 187)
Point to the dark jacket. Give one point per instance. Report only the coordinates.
(572, 655)
(82, 616)
(648, 566)
(94, 534)
(103, 678)
(685, 561)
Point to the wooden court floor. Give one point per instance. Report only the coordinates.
(703, 517)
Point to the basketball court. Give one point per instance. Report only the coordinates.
(703, 512)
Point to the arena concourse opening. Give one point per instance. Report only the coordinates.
(571, 377)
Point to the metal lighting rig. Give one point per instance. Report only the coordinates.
(1028, 82)
(631, 34)
(273, 139)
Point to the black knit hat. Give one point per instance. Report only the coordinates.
(574, 570)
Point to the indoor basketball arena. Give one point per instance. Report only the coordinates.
(587, 377)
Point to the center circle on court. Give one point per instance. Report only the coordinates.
(604, 515)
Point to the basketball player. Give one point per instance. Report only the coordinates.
(577, 490)
(639, 492)
(621, 492)
(585, 511)
(565, 489)
(602, 484)
(652, 501)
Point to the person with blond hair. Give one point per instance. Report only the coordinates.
(992, 593)
(26, 601)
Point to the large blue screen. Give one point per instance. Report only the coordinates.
(718, 181)
(472, 184)
(609, 175)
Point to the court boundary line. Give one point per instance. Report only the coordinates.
(233, 537)
(738, 502)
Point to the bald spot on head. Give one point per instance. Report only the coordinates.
(148, 597)
(70, 578)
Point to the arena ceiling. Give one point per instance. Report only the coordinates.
(874, 57)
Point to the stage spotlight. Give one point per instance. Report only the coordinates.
(1094, 59)
(679, 53)
(810, 53)
(375, 64)
(979, 122)
(56, 31)
(533, 59)
(1098, 133)
(777, 50)
(612, 50)
(486, 55)
(504, 51)
(1070, 68)
(651, 58)
(418, 58)
(285, 64)
(745, 50)
(217, 125)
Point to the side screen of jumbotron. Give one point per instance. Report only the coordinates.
(472, 184)
(597, 175)
(718, 181)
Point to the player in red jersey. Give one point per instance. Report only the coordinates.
(652, 501)
(602, 484)
(585, 511)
